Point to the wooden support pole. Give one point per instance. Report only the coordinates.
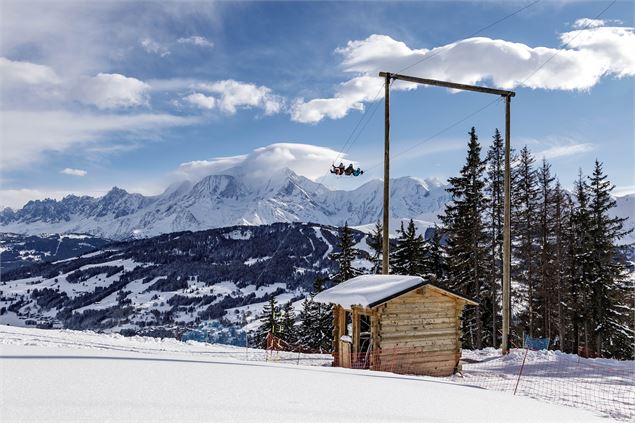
(446, 84)
(385, 236)
(507, 234)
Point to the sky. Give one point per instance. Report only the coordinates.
(142, 94)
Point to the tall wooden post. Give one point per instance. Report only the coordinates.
(385, 236)
(507, 233)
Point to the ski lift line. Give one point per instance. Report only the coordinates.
(423, 59)
(498, 99)
(587, 26)
(441, 132)
(359, 121)
(276, 250)
(375, 106)
(348, 140)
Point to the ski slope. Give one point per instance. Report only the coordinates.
(59, 375)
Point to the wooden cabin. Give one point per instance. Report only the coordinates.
(403, 324)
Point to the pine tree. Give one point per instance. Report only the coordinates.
(495, 215)
(270, 323)
(562, 233)
(467, 246)
(316, 322)
(409, 253)
(434, 262)
(545, 289)
(609, 294)
(308, 321)
(525, 238)
(288, 330)
(345, 256)
(581, 265)
(375, 242)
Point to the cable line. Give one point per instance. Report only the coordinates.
(350, 140)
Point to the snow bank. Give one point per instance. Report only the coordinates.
(367, 289)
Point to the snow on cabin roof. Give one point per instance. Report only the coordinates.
(372, 290)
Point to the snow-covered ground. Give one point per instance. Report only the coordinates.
(60, 375)
(603, 385)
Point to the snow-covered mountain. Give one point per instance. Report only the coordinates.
(235, 197)
(18, 250)
(167, 284)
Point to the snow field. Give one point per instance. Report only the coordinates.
(61, 375)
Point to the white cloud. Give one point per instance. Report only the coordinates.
(112, 90)
(26, 73)
(196, 40)
(201, 100)
(565, 150)
(27, 135)
(308, 160)
(40, 86)
(153, 47)
(588, 23)
(234, 95)
(73, 172)
(589, 54)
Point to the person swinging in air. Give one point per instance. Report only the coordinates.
(348, 171)
(338, 170)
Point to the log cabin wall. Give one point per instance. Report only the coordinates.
(419, 333)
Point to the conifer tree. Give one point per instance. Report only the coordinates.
(434, 261)
(581, 268)
(545, 269)
(609, 293)
(288, 330)
(408, 256)
(525, 243)
(316, 327)
(467, 246)
(562, 234)
(494, 218)
(270, 323)
(375, 242)
(345, 256)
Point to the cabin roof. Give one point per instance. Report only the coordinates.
(373, 290)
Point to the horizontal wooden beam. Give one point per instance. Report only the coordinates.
(446, 84)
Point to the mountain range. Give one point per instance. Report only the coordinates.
(221, 200)
(168, 284)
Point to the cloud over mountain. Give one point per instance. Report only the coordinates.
(587, 54)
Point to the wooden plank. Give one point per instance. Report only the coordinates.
(355, 330)
(422, 300)
(416, 315)
(419, 305)
(432, 349)
(420, 328)
(401, 343)
(420, 364)
(375, 330)
(385, 265)
(345, 355)
(423, 320)
(419, 358)
(419, 334)
(446, 84)
(336, 333)
(417, 309)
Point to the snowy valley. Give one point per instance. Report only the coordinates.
(167, 284)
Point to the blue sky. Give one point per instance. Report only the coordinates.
(97, 94)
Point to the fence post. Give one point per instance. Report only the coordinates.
(521, 370)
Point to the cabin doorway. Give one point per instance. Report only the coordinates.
(364, 342)
(356, 339)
